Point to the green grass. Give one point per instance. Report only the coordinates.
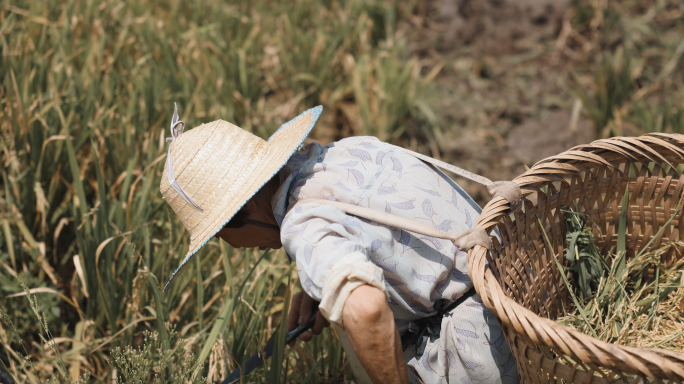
(86, 95)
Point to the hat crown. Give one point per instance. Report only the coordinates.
(204, 160)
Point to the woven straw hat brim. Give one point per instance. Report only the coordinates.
(221, 167)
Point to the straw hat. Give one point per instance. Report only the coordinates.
(214, 169)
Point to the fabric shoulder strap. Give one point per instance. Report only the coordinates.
(509, 190)
(464, 240)
(452, 168)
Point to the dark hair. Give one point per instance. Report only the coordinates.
(238, 220)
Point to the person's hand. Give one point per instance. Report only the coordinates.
(300, 312)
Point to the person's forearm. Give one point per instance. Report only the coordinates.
(369, 324)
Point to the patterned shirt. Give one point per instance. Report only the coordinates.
(414, 270)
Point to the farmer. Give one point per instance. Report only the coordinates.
(385, 286)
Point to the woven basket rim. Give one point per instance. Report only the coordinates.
(656, 147)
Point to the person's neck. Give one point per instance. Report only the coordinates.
(263, 200)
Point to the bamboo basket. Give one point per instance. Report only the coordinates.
(520, 283)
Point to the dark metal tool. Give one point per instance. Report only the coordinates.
(258, 358)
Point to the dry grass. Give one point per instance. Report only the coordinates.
(86, 91)
(625, 309)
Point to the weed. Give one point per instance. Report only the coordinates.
(47, 341)
(155, 362)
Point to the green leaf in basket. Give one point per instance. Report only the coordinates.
(616, 329)
(561, 270)
(584, 258)
(589, 273)
(584, 280)
(570, 256)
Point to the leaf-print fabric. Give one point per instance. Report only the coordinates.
(471, 349)
(417, 270)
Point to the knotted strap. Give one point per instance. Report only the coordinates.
(175, 132)
(509, 190)
(464, 240)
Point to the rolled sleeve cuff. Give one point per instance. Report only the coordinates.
(349, 273)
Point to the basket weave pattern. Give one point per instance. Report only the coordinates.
(521, 283)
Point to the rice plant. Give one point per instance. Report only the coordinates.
(86, 91)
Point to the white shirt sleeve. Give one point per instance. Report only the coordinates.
(331, 255)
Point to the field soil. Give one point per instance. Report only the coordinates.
(501, 98)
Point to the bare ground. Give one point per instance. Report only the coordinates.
(501, 99)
